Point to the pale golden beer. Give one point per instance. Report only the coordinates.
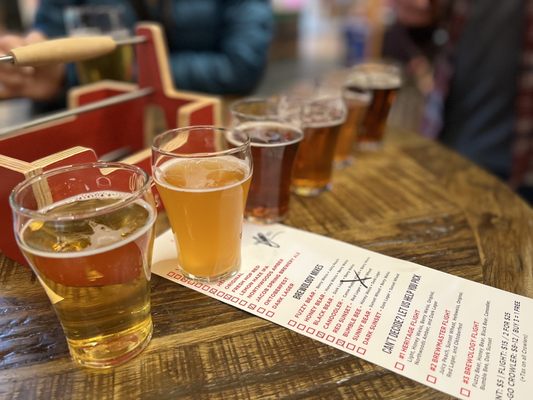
(117, 65)
(204, 191)
(104, 19)
(95, 267)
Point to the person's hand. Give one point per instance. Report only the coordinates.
(415, 13)
(37, 83)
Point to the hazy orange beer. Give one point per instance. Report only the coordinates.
(274, 146)
(87, 232)
(203, 175)
(382, 80)
(320, 117)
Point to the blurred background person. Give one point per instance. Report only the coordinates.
(480, 98)
(215, 46)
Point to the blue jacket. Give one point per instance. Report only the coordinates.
(216, 46)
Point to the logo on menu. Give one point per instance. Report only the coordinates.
(267, 239)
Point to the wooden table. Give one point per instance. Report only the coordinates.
(414, 200)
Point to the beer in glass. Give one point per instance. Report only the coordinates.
(87, 232)
(274, 146)
(356, 105)
(101, 20)
(203, 174)
(320, 117)
(382, 80)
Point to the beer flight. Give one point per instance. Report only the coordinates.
(87, 230)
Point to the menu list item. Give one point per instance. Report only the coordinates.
(460, 337)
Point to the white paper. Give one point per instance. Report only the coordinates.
(463, 338)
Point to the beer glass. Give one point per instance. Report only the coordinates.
(87, 233)
(320, 117)
(101, 20)
(356, 105)
(382, 80)
(203, 175)
(274, 145)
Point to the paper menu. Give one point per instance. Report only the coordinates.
(460, 337)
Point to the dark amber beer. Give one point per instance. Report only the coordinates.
(383, 82)
(274, 146)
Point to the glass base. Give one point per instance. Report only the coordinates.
(210, 279)
(264, 220)
(111, 350)
(310, 191)
(369, 146)
(341, 164)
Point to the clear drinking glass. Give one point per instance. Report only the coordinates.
(203, 175)
(87, 233)
(320, 116)
(382, 81)
(98, 20)
(274, 147)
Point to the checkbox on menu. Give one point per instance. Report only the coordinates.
(227, 297)
(301, 327)
(234, 299)
(292, 323)
(213, 291)
(243, 302)
(399, 366)
(350, 346)
(220, 293)
(320, 334)
(182, 278)
(252, 306)
(260, 310)
(340, 342)
(198, 284)
(330, 338)
(310, 330)
(431, 379)
(465, 392)
(270, 314)
(205, 287)
(361, 351)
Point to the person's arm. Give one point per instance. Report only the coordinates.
(236, 69)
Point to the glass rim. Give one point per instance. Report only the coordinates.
(253, 100)
(120, 203)
(243, 126)
(158, 149)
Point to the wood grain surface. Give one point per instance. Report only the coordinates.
(413, 200)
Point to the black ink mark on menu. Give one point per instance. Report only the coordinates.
(267, 240)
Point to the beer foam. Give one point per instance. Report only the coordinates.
(259, 130)
(199, 179)
(103, 238)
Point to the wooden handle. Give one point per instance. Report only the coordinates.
(63, 50)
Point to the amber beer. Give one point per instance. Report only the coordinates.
(356, 105)
(274, 146)
(383, 81)
(321, 118)
(96, 272)
(204, 199)
(117, 65)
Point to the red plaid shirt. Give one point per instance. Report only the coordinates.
(522, 147)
